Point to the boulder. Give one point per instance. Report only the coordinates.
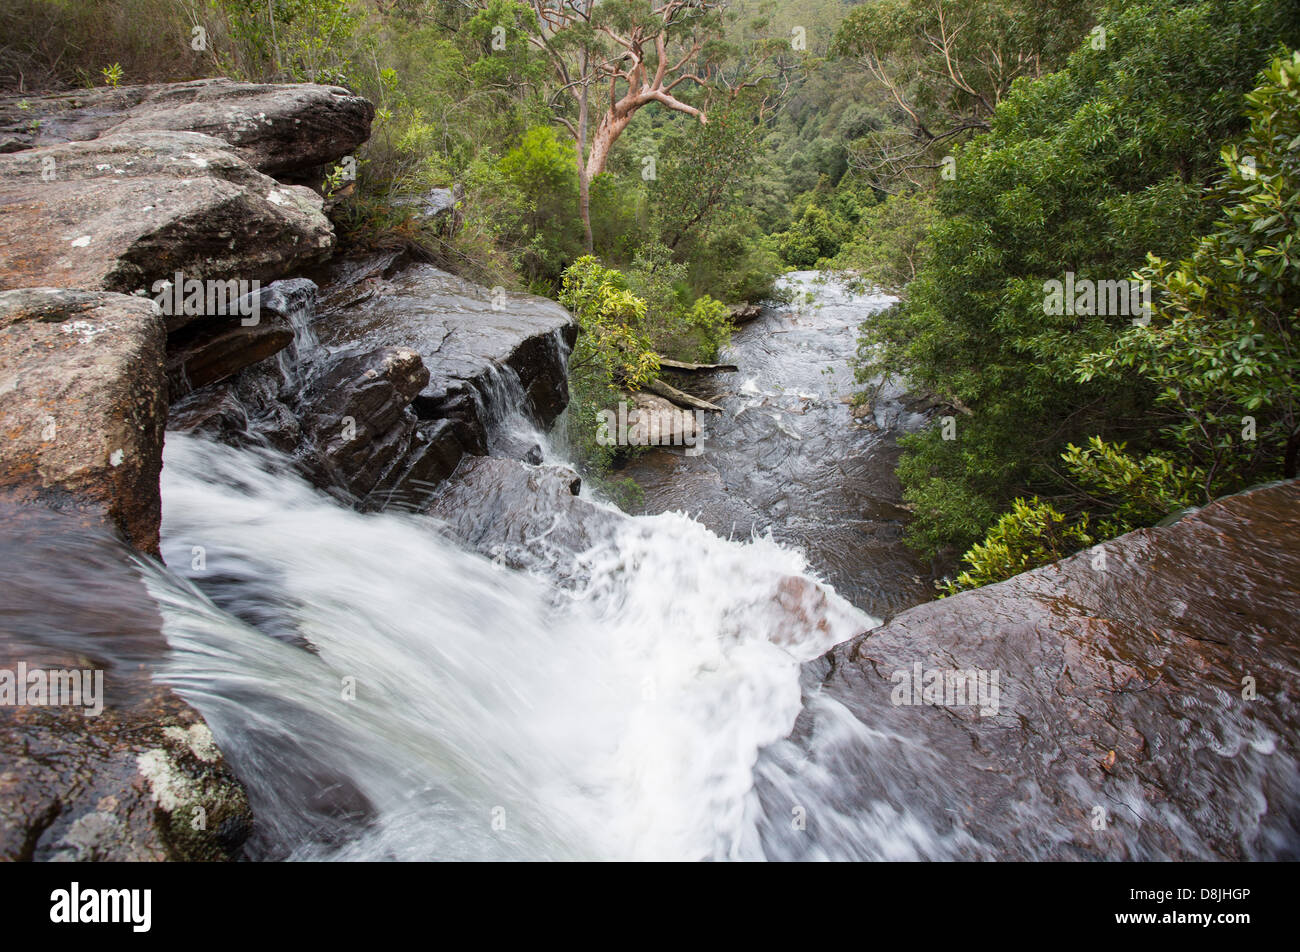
(283, 130)
(215, 411)
(221, 352)
(357, 414)
(1145, 707)
(438, 206)
(126, 770)
(128, 785)
(513, 446)
(218, 347)
(489, 354)
(433, 455)
(465, 335)
(384, 335)
(125, 211)
(526, 517)
(654, 421)
(84, 402)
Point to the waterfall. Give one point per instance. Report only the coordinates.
(387, 693)
(448, 708)
(295, 300)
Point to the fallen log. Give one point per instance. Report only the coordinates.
(676, 396)
(682, 365)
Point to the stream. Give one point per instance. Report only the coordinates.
(385, 693)
(787, 456)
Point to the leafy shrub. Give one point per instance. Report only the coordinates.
(1033, 533)
(542, 171)
(1223, 346)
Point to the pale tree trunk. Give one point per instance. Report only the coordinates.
(584, 167)
(611, 127)
(642, 88)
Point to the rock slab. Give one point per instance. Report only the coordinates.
(83, 404)
(1147, 706)
(133, 776)
(284, 130)
(124, 212)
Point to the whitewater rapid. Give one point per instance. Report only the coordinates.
(385, 693)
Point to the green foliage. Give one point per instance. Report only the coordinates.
(700, 174)
(675, 324)
(1222, 348)
(936, 475)
(612, 348)
(298, 40)
(946, 66)
(1144, 489)
(618, 212)
(711, 320)
(1219, 351)
(700, 203)
(542, 171)
(625, 322)
(463, 96)
(1031, 534)
(1086, 170)
(814, 238)
(735, 263)
(52, 44)
(612, 354)
(891, 241)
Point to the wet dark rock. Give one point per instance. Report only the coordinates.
(538, 361)
(214, 411)
(922, 402)
(220, 352)
(373, 389)
(127, 211)
(464, 333)
(215, 348)
(437, 206)
(84, 405)
(358, 414)
(413, 370)
(142, 780)
(1147, 706)
(125, 786)
(483, 362)
(287, 297)
(462, 408)
(276, 425)
(284, 130)
(330, 811)
(512, 447)
(435, 452)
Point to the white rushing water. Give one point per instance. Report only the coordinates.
(494, 715)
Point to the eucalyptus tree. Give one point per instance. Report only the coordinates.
(612, 59)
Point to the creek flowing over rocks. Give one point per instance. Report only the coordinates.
(390, 621)
(791, 455)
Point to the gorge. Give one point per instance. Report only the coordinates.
(353, 602)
